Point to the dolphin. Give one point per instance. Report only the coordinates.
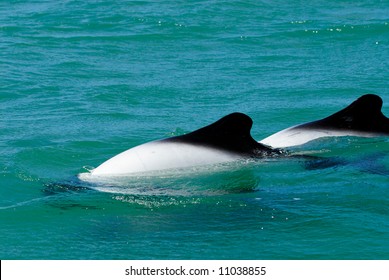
(229, 139)
(362, 118)
(225, 140)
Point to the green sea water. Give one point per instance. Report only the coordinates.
(81, 81)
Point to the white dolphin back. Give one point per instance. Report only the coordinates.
(159, 155)
(295, 136)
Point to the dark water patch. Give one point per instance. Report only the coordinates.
(68, 186)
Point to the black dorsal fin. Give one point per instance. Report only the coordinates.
(363, 115)
(230, 133)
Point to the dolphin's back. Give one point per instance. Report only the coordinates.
(362, 118)
(225, 140)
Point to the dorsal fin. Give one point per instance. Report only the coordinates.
(363, 115)
(230, 133)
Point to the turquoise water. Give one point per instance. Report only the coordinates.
(81, 81)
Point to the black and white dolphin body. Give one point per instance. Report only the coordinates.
(229, 139)
(362, 118)
(226, 140)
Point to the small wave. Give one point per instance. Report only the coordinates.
(25, 203)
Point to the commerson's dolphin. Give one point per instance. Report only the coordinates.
(226, 140)
(362, 118)
(229, 139)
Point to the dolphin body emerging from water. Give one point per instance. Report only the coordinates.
(226, 140)
(362, 118)
(229, 139)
